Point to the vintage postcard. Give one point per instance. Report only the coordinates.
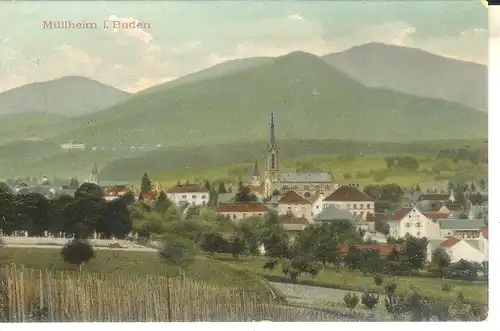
(239, 161)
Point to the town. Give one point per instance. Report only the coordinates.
(301, 220)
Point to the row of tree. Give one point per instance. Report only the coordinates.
(83, 215)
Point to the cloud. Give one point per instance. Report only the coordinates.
(296, 17)
(134, 33)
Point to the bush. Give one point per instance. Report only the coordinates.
(77, 252)
(369, 300)
(351, 300)
(378, 279)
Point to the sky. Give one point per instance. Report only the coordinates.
(187, 36)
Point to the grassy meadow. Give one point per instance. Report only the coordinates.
(373, 170)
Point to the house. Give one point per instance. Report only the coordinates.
(298, 206)
(193, 194)
(461, 228)
(293, 224)
(351, 199)
(457, 249)
(413, 222)
(148, 196)
(239, 211)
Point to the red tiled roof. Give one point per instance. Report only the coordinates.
(384, 249)
(451, 241)
(149, 196)
(241, 208)
(376, 217)
(435, 196)
(293, 198)
(436, 216)
(347, 194)
(484, 232)
(189, 188)
(400, 213)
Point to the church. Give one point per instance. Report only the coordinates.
(305, 184)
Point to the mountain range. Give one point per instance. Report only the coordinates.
(310, 98)
(66, 96)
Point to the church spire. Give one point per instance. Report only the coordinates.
(272, 138)
(255, 171)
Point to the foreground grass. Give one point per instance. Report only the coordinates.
(135, 263)
(355, 281)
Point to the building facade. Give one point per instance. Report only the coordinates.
(191, 194)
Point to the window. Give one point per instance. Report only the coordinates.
(260, 214)
(408, 225)
(306, 187)
(184, 196)
(273, 161)
(354, 206)
(327, 187)
(361, 213)
(193, 196)
(418, 234)
(361, 206)
(418, 225)
(203, 197)
(234, 216)
(316, 187)
(317, 207)
(368, 206)
(244, 215)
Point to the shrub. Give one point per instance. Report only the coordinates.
(77, 252)
(369, 300)
(378, 279)
(351, 300)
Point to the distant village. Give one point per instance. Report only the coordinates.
(458, 225)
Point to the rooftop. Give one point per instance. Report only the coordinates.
(348, 193)
(332, 213)
(313, 177)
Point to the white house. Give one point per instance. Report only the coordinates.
(298, 206)
(414, 222)
(351, 199)
(457, 249)
(239, 211)
(192, 194)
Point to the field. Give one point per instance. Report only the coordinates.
(373, 170)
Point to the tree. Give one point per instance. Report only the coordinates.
(417, 189)
(77, 252)
(351, 300)
(213, 243)
(320, 242)
(482, 184)
(222, 188)
(370, 262)
(237, 246)
(414, 252)
(369, 300)
(162, 203)
(207, 186)
(382, 227)
(4, 188)
(440, 262)
(177, 251)
(31, 212)
(146, 186)
(465, 270)
(244, 195)
(118, 221)
(88, 191)
(352, 259)
(473, 187)
(390, 162)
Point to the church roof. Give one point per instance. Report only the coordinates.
(306, 177)
(332, 213)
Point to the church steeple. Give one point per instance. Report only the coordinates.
(93, 175)
(272, 170)
(255, 179)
